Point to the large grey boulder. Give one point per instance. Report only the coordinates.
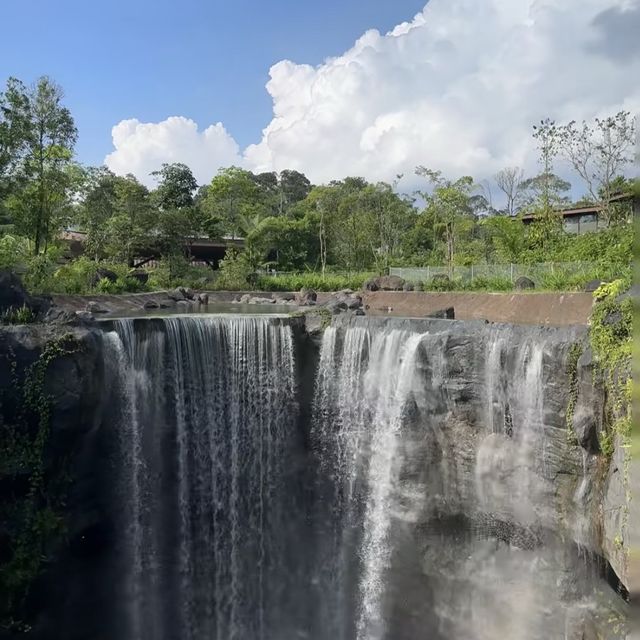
(390, 283)
(370, 285)
(306, 297)
(177, 295)
(13, 295)
(523, 283)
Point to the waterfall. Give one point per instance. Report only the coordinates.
(206, 420)
(364, 385)
(421, 485)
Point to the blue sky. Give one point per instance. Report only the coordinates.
(204, 59)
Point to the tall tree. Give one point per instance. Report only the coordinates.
(599, 153)
(449, 203)
(509, 181)
(293, 187)
(46, 168)
(546, 135)
(233, 195)
(14, 132)
(176, 186)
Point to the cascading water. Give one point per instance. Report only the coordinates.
(370, 383)
(208, 414)
(425, 487)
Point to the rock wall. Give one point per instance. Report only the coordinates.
(485, 519)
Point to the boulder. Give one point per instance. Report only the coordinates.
(285, 297)
(370, 285)
(187, 293)
(245, 298)
(94, 307)
(408, 286)
(390, 283)
(13, 295)
(151, 304)
(335, 307)
(523, 283)
(139, 275)
(103, 274)
(177, 295)
(306, 297)
(261, 300)
(447, 314)
(592, 285)
(203, 298)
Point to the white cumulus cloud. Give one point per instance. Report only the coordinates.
(142, 147)
(457, 88)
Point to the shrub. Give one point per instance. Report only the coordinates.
(330, 282)
(18, 315)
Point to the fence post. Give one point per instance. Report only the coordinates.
(512, 273)
(471, 273)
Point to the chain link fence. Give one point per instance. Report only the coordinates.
(537, 271)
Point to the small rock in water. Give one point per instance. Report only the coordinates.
(151, 304)
(94, 307)
(447, 314)
(203, 298)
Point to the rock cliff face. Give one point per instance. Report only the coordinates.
(447, 475)
(485, 485)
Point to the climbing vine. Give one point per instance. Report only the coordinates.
(611, 340)
(31, 513)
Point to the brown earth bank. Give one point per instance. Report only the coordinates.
(553, 309)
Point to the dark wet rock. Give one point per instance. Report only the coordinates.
(370, 285)
(151, 304)
(14, 296)
(187, 293)
(306, 297)
(335, 307)
(447, 314)
(523, 283)
(103, 274)
(203, 298)
(390, 283)
(592, 285)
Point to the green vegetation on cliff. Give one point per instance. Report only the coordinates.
(33, 490)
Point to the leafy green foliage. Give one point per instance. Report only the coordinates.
(611, 340)
(19, 315)
(330, 282)
(32, 518)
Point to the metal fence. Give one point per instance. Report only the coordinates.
(537, 272)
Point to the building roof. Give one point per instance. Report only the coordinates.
(591, 208)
